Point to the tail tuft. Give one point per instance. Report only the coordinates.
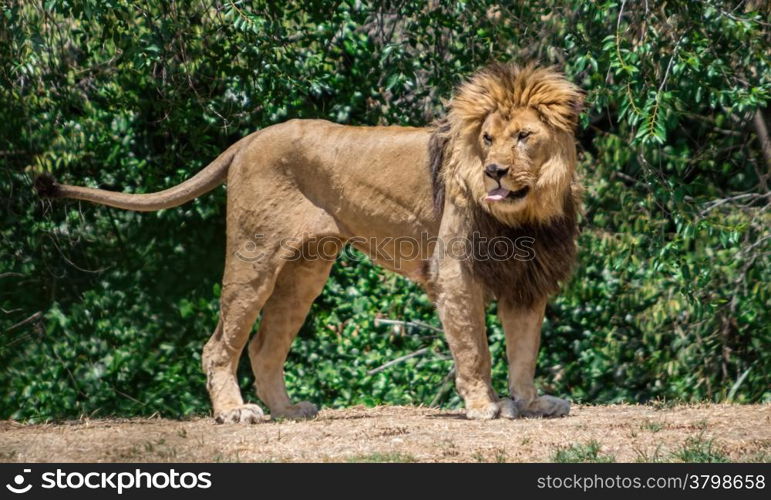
(46, 186)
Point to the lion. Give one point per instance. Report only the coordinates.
(498, 167)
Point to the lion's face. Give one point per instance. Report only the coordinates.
(513, 145)
(523, 167)
(512, 149)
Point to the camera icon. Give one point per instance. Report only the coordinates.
(18, 480)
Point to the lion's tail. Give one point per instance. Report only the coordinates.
(204, 181)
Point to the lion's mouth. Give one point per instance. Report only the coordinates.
(501, 193)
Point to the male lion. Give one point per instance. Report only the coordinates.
(499, 167)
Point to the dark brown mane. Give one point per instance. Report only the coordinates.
(437, 153)
(545, 255)
(546, 250)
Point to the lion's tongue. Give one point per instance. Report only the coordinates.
(497, 194)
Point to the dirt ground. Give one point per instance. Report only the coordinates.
(620, 433)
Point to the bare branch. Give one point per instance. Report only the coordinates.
(722, 201)
(404, 324)
(398, 360)
(34, 317)
(444, 387)
(762, 131)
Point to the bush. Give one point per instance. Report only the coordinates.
(105, 312)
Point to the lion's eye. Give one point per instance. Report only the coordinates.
(524, 134)
(487, 138)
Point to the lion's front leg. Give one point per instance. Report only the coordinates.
(461, 309)
(522, 326)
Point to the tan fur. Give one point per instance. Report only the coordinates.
(299, 191)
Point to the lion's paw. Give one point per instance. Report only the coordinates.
(508, 409)
(546, 407)
(505, 408)
(244, 414)
(301, 410)
(485, 411)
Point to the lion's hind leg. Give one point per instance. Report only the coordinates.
(299, 283)
(240, 303)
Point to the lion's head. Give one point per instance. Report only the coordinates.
(507, 143)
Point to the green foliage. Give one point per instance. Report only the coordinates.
(105, 312)
(700, 450)
(588, 452)
(380, 458)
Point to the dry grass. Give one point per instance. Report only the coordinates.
(620, 433)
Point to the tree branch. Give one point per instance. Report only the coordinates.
(398, 360)
(762, 132)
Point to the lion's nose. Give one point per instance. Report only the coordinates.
(495, 171)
